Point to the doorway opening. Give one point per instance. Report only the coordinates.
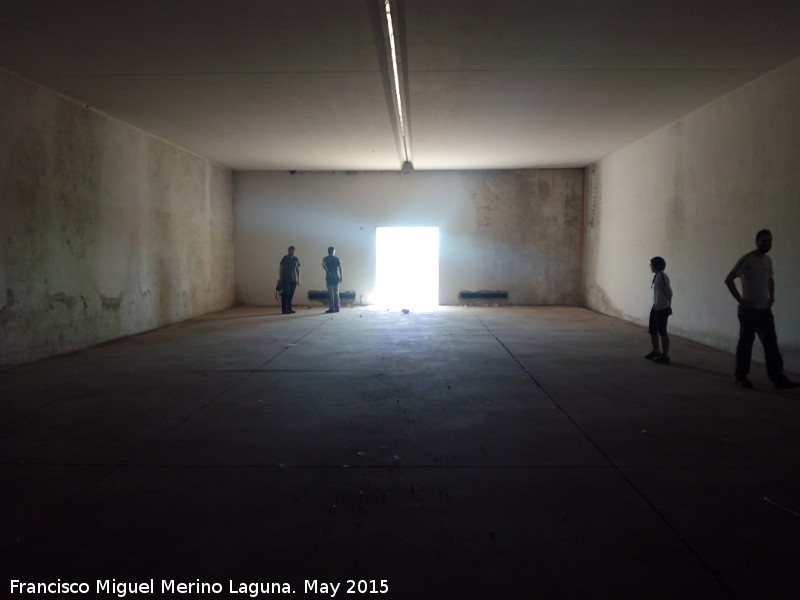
(407, 267)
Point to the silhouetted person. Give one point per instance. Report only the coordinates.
(333, 277)
(289, 278)
(660, 311)
(755, 313)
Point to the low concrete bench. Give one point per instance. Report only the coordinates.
(346, 298)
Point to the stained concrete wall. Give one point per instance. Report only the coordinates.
(105, 230)
(695, 193)
(518, 231)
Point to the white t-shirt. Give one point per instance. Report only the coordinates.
(662, 292)
(755, 271)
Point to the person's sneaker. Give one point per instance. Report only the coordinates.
(786, 384)
(652, 355)
(743, 381)
(327, 312)
(663, 359)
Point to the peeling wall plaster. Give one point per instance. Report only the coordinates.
(94, 212)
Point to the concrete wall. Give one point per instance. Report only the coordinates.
(518, 231)
(105, 230)
(695, 193)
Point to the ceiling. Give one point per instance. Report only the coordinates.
(306, 84)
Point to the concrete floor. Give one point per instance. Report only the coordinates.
(460, 453)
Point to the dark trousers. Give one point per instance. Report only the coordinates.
(758, 322)
(287, 293)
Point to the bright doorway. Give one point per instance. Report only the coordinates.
(407, 267)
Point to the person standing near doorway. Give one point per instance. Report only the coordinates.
(333, 277)
(289, 279)
(755, 313)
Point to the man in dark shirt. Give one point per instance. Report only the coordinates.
(289, 279)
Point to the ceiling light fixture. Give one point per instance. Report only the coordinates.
(396, 81)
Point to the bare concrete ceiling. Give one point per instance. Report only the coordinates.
(305, 84)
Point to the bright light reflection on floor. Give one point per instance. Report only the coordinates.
(407, 269)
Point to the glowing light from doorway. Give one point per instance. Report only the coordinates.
(407, 267)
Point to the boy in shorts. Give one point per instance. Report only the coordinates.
(660, 312)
